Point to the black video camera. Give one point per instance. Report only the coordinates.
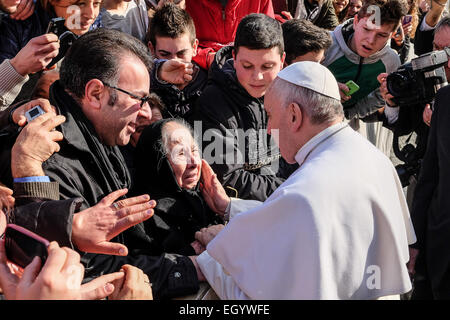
(413, 86)
(418, 81)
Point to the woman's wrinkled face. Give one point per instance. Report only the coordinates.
(183, 155)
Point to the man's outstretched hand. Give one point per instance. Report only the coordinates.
(94, 227)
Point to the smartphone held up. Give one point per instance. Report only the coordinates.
(22, 246)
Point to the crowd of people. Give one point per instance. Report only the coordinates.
(247, 145)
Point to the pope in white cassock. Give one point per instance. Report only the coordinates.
(338, 228)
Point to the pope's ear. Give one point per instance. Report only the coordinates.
(93, 93)
(295, 116)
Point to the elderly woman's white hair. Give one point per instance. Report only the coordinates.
(166, 138)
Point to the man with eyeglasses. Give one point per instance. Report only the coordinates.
(103, 92)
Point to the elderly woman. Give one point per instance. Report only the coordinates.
(168, 167)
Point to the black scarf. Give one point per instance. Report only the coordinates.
(80, 134)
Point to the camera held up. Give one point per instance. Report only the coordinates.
(416, 83)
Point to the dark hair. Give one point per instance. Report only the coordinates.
(170, 21)
(97, 55)
(391, 11)
(258, 31)
(302, 36)
(156, 102)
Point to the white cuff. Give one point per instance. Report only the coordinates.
(424, 25)
(391, 113)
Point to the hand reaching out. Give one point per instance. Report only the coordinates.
(59, 278)
(134, 286)
(94, 227)
(212, 190)
(205, 235)
(176, 72)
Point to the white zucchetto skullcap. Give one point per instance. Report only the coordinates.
(311, 75)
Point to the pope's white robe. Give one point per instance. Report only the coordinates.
(338, 228)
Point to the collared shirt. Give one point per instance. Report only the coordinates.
(305, 151)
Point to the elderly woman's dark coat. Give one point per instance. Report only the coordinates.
(179, 212)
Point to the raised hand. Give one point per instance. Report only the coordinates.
(35, 144)
(176, 72)
(94, 227)
(212, 190)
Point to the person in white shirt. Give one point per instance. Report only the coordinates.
(337, 228)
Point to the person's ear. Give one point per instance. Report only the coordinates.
(283, 58)
(151, 48)
(295, 116)
(233, 53)
(194, 48)
(94, 92)
(355, 21)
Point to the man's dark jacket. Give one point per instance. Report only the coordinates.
(226, 107)
(87, 169)
(178, 103)
(326, 18)
(430, 212)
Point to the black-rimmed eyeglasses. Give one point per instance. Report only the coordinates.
(142, 99)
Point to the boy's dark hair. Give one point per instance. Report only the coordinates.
(170, 21)
(97, 55)
(391, 11)
(258, 31)
(302, 36)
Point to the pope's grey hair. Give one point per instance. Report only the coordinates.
(318, 107)
(443, 23)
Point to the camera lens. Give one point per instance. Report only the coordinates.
(397, 84)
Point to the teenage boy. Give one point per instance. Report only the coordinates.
(171, 36)
(231, 110)
(304, 41)
(360, 52)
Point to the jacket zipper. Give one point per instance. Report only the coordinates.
(358, 73)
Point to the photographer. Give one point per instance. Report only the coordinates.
(430, 210)
(359, 52)
(415, 116)
(428, 258)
